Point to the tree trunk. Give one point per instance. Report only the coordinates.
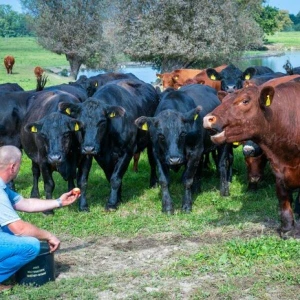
(75, 63)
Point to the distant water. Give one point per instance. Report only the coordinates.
(147, 74)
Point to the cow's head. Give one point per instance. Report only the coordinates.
(96, 116)
(240, 116)
(56, 133)
(168, 131)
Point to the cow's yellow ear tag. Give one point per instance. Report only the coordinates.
(195, 117)
(33, 129)
(68, 111)
(268, 100)
(176, 78)
(145, 127)
(235, 144)
(213, 77)
(76, 128)
(96, 84)
(112, 115)
(247, 77)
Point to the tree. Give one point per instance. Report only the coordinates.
(71, 27)
(185, 33)
(12, 24)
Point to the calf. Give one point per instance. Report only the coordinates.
(273, 113)
(178, 138)
(9, 62)
(51, 140)
(110, 135)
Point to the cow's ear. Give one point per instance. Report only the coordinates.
(266, 96)
(222, 95)
(68, 109)
(248, 73)
(115, 111)
(76, 125)
(159, 75)
(192, 115)
(33, 127)
(143, 122)
(213, 74)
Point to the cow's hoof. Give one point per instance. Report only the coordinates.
(168, 212)
(252, 187)
(48, 213)
(293, 233)
(186, 210)
(110, 209)
(84, 209)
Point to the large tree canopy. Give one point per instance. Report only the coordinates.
(184, 33)
(71, 27)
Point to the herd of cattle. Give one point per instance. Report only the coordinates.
(112, 117)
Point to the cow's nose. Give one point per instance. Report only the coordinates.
(174, 160)
(55, 158)
(89, 150)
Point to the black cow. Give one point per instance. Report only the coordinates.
(80, 91)
(99, 80)
(10, 87)
(110, 135)
(51, 140)
(179, 139)
(13, 107)
(232, 78)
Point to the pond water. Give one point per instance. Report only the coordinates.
(147, 74)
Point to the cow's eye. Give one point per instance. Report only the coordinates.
(245, 101)
(161, 137)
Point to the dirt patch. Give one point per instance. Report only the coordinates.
(113, 256)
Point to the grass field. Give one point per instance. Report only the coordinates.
(285, 40)
(227, 248)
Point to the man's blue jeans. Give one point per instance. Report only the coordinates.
(15, 252)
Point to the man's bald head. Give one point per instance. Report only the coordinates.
(9, 155)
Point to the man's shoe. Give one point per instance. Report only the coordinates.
(4, 288)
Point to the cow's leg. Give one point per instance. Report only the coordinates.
(188, 180)
(115, 179)
(136, 158)
(82, 180)
(35, 193)
(152, 163)
(225, 168)
(49, 184)
(286, 213)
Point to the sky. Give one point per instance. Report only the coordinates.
(293, 6)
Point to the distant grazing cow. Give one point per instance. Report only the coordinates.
(179, 139)
(269, 116)
(109, 133)
(177, 77)
(51, 140)
(9, 62)
(38, 72)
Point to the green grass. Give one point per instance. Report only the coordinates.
(28, 54)
(239, 254)
(285, 40)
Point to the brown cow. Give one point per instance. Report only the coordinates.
(38, 72)
(176, 78)
(202, 78)
(9, 62)
(269, 116)
(255, 159)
